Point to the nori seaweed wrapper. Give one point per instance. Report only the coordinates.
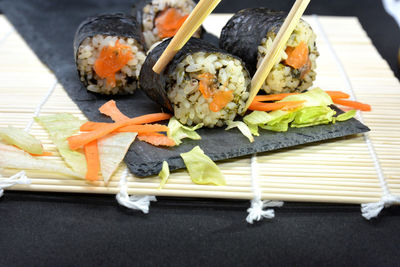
(137, 9)
(244, 32)
(155, 85)
(116, 24)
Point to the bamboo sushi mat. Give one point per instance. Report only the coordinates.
(340, 170)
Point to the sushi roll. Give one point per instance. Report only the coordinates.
(109, 52)
(202, 83)
(249, 35)
(161, 19)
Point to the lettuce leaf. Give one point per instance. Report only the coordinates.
(257, 118)
(347, 115)
(244, 129)
(313, 97)
(61, 126)
(310, 116)
(12, 157)
(21, 139)
(112, 150)
(164, 174)
(201, 168)
(177, 131)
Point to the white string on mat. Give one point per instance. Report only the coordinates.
(368, 210)
(256, 210)
(141, 203)
(21, 178)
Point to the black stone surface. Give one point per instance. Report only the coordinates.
(142, 159)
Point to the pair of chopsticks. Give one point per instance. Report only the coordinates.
(200, 13)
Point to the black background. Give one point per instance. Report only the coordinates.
(48, 229)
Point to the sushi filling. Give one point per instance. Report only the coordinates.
(208, 88)
(295, 70)
(110, 64)
(163, 18)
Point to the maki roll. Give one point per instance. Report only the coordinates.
(109, 53)
(161, 19)
(202, 83)
(249, 35)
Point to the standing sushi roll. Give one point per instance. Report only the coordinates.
(109, 53)
(249, 35)
(202, 83)
(161, 19)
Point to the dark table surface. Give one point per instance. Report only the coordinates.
(47, 229)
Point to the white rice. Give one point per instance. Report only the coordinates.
(126, 78)
(283, 78)
(150, 12)
(190, 107)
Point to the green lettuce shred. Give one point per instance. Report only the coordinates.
(164, 174)
(61, 126)
(177, 131)
(347, 115)
(315, 111)
(21, 139)
(201, 168)
(244, 129)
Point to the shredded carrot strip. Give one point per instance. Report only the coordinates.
(156, 139)
(169, 21)
(111, 60)
(146, 128)
(110, 109)
(44, 154)
(274, 97)
(93, 161)
(77, 141)
(352, 104)
(274, 106)
(337, 94)
(205, 86)
(297, 56)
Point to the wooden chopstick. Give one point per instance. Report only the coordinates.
(277, 46)
(189, 27)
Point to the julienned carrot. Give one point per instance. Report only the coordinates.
(273, 97)
(78, 141)
(337, 94)
(297, 56)
(156, 139)
(352, 104)
(92, 160)
(145, 128)
(44, 154)
(110, 109)
(275, 106)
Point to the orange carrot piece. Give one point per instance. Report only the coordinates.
(44, 154)
(110, 109)
(156, 139)
(77, 141)
(93, 162)
(337, 94)
(297, 56)
(275, 106)
(220, 100)
(111, 60)
(205, 85)
(274, 97)
(145, 128)
(169, 21)
(352, 104)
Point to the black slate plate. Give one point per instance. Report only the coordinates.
(49, 26)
